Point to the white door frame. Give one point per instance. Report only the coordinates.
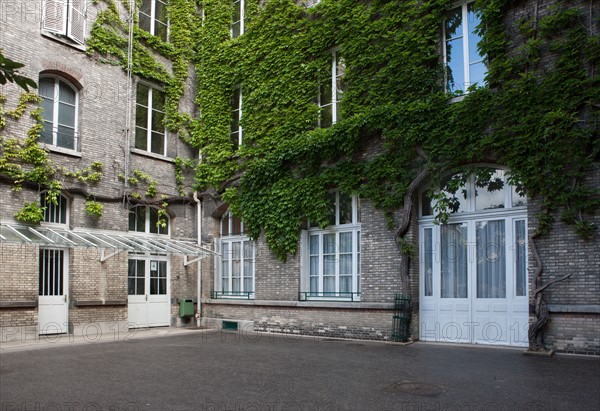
(495, 321)
(53, 299)
(150, 309)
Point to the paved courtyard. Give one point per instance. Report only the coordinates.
(211, 370)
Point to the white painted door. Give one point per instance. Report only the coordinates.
(148, 301)
(473, 282)
(53, 291)
(473, 269)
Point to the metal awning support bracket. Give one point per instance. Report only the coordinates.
(187, 262)
(104, 257)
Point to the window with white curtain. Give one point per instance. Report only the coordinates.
(482, 243)
(235, 270)
(332, 255)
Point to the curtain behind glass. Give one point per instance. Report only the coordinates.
(491, 260)
(454, 260)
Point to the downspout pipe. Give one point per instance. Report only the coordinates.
(199, 230)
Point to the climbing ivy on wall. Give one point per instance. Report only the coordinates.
(538, 114)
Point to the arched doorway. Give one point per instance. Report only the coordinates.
(473, 267)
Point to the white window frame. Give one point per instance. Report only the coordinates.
(65, 18)
(147, 222)
(53, 212)
(335, 77)
(223, 246)
(466, 75)
(153, 19)
(236, 113)
(57, 80)
(241, 22)
(353, 228)
(148, 124)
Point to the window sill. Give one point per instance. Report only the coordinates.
(60, 150)
(63, 40)
(150, 154)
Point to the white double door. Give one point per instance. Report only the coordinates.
(473, 281)
(148, 301)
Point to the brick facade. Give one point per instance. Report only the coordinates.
(97, 290)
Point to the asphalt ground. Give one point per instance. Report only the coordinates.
(228, 371)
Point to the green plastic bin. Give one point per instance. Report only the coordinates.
(186, 308)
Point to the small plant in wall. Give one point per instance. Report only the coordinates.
(31, 213)
(93, 209)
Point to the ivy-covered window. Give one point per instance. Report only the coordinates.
(55, 213)
(236, 118)
(332, 256)
(331, 89)
(59, 117)
(146, 219)
(235, 272)
(153, 18)
(465, 66)
(65, 18)
(237, 19)
(149, 120)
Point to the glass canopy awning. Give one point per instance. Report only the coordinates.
(114, 242)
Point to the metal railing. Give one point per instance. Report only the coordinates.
(249, 295)
(329, 296)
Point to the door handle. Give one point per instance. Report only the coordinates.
(66, 298)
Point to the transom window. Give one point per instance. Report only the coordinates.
(236, 118)
(235, 272)
(465, 66)
(331, 91)
(149, 120)
(237, 19)
(332, 255)
(146, 219)
(153, 18)
(59, 116)
(65, 18)
(487, 190)
(55, 213)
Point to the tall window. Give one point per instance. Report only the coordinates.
(153, 18)
(235, 135)
(59, 116)
(331, 90)
(332, 255)
(55, 213)
(145, 219)
(235, 277)
(465, 66)
(237, 19)
(484, 239)
(149, 120)
(65, 18)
